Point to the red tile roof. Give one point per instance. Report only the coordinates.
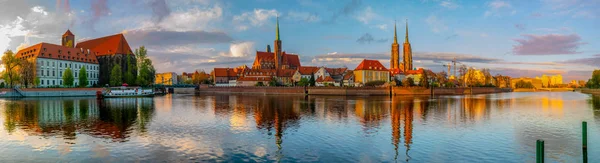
(109, 45)
(68, 33)
(370, 65)
(307, 70)
(348, 75)
(286, 72)
(418, 71)
(224, 72)
(289, 59)
(326, 79)
(336, 71)
(52, 51)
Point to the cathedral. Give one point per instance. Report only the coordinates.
(277, 59)
(407, 64)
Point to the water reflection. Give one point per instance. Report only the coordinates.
(238, 128)
(110, 118)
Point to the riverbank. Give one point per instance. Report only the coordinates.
(343, 91)
(590, 91)
(48, 92)
(543, 90)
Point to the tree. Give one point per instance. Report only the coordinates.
(146, 71)
(26, 71)
(304, 82)
(259, 84)
(68, 78)
(83, 80)
(199, 77)
(441, 77)
(273, 82)
(129, 77)
(312, 80)
(408, 82)
(10, 75)
(115, 76)
(37, 81)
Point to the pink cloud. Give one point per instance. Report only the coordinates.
(551, 44)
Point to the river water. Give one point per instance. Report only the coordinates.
(234, 128)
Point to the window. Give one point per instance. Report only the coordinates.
(53, 82)
(42, 81)
(60, 82)
(53, 74)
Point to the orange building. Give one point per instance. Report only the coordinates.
(110, 51)
(278, 59)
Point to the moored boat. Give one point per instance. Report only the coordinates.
(125, 91)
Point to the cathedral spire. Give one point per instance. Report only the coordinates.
(277, 26)
(406, 37)
(395, 35)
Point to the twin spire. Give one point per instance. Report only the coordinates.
(395, 33)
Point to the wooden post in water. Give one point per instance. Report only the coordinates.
(539, 153)
(584, 134)
(584, 141)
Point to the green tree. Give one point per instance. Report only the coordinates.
(10, 74)
(273, 82)
(83, 80)
(312, 80)
(146, 71)
(129, 77)
(304, 82)
(115, 76)
(259, 84)
(68, 77)
(37, 81)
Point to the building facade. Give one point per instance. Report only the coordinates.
(370, 70)
(110, 51)
(50, 61)
(167, 78)
(407, 58)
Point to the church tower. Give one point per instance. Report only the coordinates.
(68, 39)
(277, 52)
(395, 59)
(408, 62)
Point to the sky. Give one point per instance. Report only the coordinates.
(516, 38)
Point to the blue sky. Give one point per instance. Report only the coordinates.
(517, 38)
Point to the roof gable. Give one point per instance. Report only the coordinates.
(53, 51)
(109, 45)
(370, 65)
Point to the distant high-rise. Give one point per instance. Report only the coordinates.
(395, 59)
(407, 62)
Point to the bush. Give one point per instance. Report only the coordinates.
(375, 83)
(523, 84)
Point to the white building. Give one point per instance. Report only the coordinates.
(52, 60)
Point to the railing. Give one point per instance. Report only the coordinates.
(19, 91)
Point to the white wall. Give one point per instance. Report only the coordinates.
(50, 71)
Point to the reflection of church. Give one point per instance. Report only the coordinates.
(110, 118)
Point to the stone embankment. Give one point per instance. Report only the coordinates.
(342, 91)
(49, 92)
(590, 91)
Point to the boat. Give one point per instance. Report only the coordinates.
(125, 91)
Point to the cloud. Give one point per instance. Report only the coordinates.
(154, 37)
(160, 10)
(366, 16)
(551, 44)
(573, 8)
(520, 26)
(303, 16)
(190, 20)
(348, 9)
(590, 61)
(435, 24)
(429, 56)
(449, 4)
(242, 49)
(368, 38)
(256, 18)
(99, 9)
(499, 8)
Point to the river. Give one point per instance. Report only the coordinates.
(234, 128)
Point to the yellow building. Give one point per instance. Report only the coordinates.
(537, 83)
(167, 78)
(549, 81)
(370, 70)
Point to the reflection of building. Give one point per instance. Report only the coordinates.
(370, 70)
(167, 78)
(111, 118)
(50, 61)
(537, 83)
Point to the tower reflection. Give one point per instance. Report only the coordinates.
(110, 118)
